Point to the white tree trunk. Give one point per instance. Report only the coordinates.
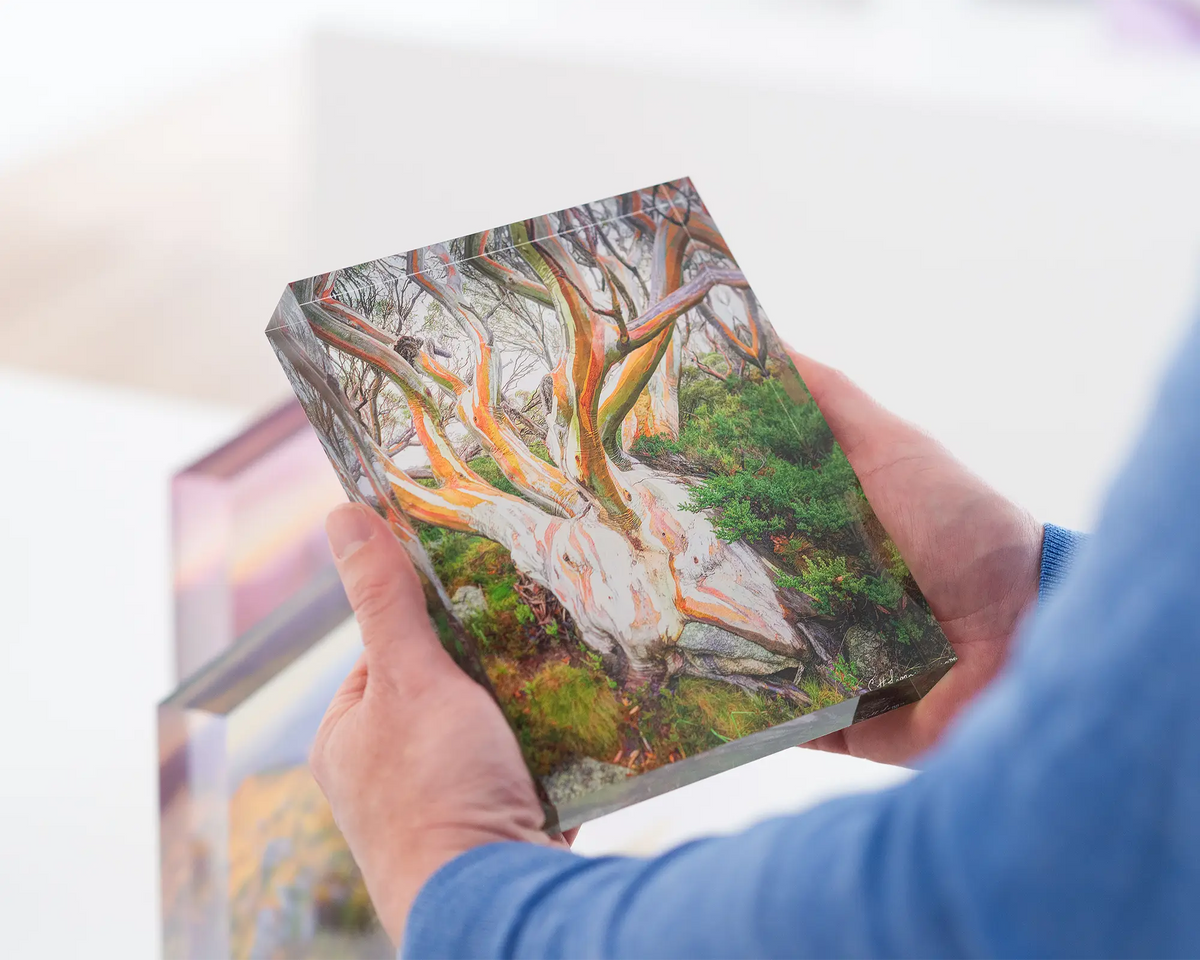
(671, 596)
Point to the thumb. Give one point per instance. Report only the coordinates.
(386, 596)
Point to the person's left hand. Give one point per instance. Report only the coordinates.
(415, 758)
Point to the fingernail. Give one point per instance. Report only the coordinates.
(348, 528)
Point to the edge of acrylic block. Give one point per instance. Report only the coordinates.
(265, 649)
(398, 259)
(244, 449)
(217, 596)
(744, 750)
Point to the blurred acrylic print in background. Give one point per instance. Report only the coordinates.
(1166, 23)
(248, 532)
(252, 862)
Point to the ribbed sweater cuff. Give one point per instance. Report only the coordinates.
(1059, 547)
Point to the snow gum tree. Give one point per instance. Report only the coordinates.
(550, 347)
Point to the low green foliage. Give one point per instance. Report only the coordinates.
(911, 627)
(501, 594)
(778, 495)
(571, 709)
(539, 449)
(486, 468)
(692, 714)
(727, 427)
(845, 673)
(772, 476)
(463, 558)
(893, 561)
(827, 581)
(883, 591)
(722, 709)
(820, 694)
(577, 707)
(834, 588)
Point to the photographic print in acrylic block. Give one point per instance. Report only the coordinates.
(252, 862)
(634, 525)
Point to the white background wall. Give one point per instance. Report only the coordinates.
(989, 271)
(68, 67)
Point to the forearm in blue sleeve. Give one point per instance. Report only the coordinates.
(1059, 817)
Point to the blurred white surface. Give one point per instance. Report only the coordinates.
(777, 785)
(85, 654)
(112, 59)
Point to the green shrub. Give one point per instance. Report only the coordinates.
(893, 561)
(779, 496)
(835, 589)
(846, 673)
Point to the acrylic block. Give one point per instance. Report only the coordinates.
(252, 863)
(635, 527)
(247, 532)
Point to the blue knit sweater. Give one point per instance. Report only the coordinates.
(1059, 817)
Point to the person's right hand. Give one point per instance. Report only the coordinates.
(975, 556)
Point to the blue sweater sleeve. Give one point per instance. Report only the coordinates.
(1060, 816)
(1059, 546)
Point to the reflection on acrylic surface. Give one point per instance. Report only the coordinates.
(635, 526)
(253, 865)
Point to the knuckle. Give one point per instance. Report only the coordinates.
(375, 597)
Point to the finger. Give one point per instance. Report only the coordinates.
(830, 743)
(386, 596)
(911, 481)
(871, 436)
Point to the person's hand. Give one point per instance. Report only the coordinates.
(415, 758)
(975, 556)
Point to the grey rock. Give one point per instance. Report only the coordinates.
(730, 653)
(580, 777)
(865, 649)
(468, 602)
